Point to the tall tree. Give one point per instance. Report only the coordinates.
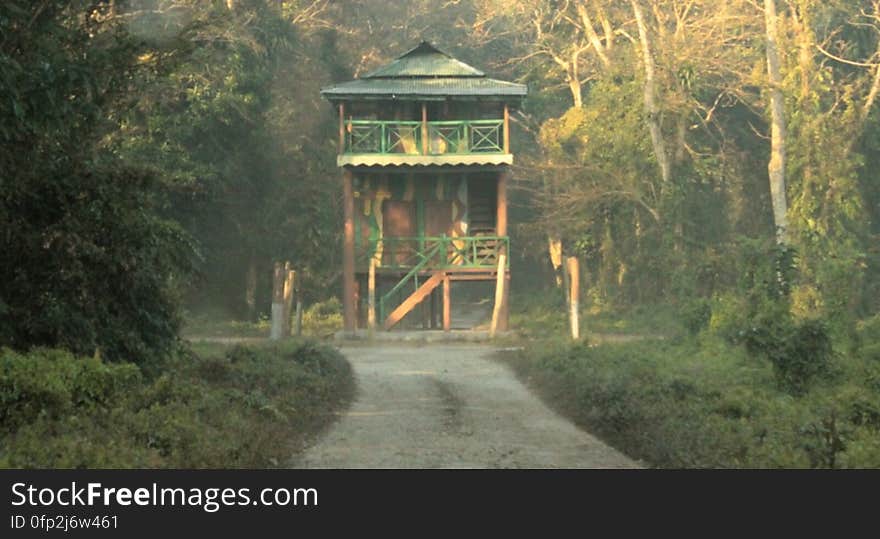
(776, 166)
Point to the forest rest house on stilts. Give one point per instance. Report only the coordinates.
(424, 147)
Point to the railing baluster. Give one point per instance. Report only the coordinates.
(474, 261)
(461, 137)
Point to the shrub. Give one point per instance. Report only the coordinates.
(868, 337)
(707, 403)
(323, 318)
(799, 352)
(220, 408)
(51, 383)
(695, 314)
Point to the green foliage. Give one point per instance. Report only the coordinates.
(868, 336)
(90, 266)
(695, 315)
(705, 403)
(217, 408)
(49, 383)
(88, 261)
(799, 352)
(323, 318)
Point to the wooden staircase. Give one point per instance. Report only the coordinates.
(414, 299)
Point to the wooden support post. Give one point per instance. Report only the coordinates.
(348, 292)
(506, 129)
(424, 129)
(289, 281)
(275, 332)
(425, 312)
(447, 304)
(574, 277)
(341, 128)
(501, 323)
(501, 210)
(371, 297)
(359, 321)
(504, 314)
(500, 286)
(434, 310)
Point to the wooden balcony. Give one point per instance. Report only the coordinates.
(463, 142)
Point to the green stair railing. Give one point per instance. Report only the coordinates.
(473, 252)
(412, 275)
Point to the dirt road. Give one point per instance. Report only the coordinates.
(449, 406)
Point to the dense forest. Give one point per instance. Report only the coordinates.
(712, 159)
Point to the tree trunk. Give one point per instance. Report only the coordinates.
(776, 167)
(278, 278)
(250, 290)
(653, 113)
(574, 82)
(592, 36)
(651, 109)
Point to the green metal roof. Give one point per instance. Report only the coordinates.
(424, 71)
(433, 87)
(425, 60)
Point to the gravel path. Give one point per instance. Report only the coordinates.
(449, 406)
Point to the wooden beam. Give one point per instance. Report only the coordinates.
(447, 303)
(424, 128)
(341, 128)
(348, 305)
(506, 129)
(414, 299)
(489, 161)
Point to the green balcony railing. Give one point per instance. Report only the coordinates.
(447, 137)
(440, 252)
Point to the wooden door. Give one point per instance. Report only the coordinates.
(438, 222)
(438, 217)
(398, 221)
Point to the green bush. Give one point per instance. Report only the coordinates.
(322, 319)
(51, 383)
(695, 315)
(709, 403)
(216, 407)
(868, 336)
(799, 352)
